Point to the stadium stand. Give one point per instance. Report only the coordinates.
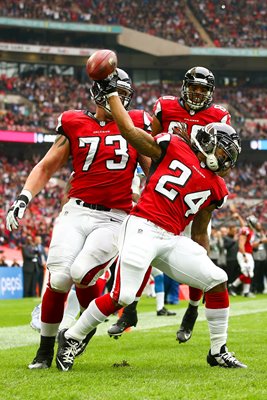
(233, 24)
(49, 95)
(228, 24)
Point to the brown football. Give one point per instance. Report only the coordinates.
(101, 64)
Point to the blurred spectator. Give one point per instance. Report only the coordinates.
(30, 268)
(230, 242)
(171, 288)
(216, 245)
(3, 262)
(41, 262)
(260, 258)
(15, 263)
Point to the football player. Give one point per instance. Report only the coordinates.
(84, 240)
(245, 257)
(184, 185)
(193, 110)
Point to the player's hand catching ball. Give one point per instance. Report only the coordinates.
(108, 86)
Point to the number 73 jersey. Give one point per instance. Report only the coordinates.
(179, 185)
(103, 162)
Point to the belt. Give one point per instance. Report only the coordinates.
(97, 207)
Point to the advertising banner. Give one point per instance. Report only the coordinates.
(11, 283)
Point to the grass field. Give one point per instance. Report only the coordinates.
(159, 368)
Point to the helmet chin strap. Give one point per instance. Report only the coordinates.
(211, 160)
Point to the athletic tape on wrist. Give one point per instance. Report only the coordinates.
(26, 193)
(112, 94)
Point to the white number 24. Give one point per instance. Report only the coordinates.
(193, 200)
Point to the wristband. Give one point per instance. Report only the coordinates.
(112, 94)
(26, 193)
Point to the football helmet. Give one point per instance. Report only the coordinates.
(124, 87)
(217, 135)
(198, 76)
(252, 221)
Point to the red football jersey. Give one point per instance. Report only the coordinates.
(178, 186)
(169, 111)
(103, 162)
(249, 233)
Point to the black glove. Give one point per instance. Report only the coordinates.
(108, 86)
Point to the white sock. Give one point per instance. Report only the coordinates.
(71, 311)
(49, 329)
(218, 325)
(160, 300)
(194, 303)
(90, 318)
(237, 282)
(246, 288)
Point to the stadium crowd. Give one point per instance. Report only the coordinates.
(229, 24)
(44, 207)
(47, 96)
(233, 24)
(168, 20)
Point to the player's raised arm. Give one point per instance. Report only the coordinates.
(138, 138)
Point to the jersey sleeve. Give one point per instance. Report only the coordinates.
(147, 122)
(64, 123)
(244, 231)
(163, 140)
(220, 114)
(141, 119)
(157, 109)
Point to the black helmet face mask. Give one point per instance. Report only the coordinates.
(124, 87)
(198, 87)
(217, 136)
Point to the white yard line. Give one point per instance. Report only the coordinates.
(24, 335)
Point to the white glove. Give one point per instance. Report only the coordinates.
(17, 210)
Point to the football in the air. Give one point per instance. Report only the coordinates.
(101, 64)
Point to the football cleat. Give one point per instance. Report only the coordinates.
(127, 320)
(81, 349)
(249, 295)
(165, 312)
(67, 350)
(184, 333)
(224, 359)
(43, 360)
(36, 318)
(232, 290)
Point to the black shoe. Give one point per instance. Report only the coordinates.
(44, 355)
(232, 290)
(43, 361)
(67, 350)
(249, 295)
(224, 359)
(186, 328)
(81, 349)
(127, 320)
(165, 312)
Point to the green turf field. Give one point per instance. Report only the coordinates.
(159, 368)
